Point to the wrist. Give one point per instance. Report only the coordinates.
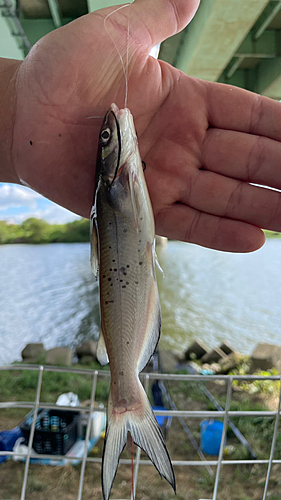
(8, 76)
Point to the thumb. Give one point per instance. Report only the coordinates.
(162, 18)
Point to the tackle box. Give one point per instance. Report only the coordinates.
(55, 431)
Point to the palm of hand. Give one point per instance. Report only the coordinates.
(71, 77)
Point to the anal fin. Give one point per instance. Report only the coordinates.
(102, 355)
(94, 244)
(153, 328)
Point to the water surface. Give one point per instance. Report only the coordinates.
(48, 294)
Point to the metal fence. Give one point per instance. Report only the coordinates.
(225, 414)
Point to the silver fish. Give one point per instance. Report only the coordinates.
(122, 247)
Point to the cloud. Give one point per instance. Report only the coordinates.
(18, 203)
(17, 196)
(54, 214)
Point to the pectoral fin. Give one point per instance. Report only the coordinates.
(94, 245)
(133, 200)
(102, 355)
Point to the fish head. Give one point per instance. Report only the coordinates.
(117, 142)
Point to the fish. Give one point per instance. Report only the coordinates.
(123, 255)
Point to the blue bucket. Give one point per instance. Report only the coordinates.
(211, 435)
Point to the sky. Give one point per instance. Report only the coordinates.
(18, 203)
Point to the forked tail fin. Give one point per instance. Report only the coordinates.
(146, 433)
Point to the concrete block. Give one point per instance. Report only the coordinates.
(59, 356)
(227, 348)
(86, 360)
(196, 350)
(32, 350)
(213, 356)
(266, 356)
(88, 348)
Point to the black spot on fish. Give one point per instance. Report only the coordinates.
(127, 342)
(121, 281)
(103, 275)
(110, 269)
(109, 223)
(113, 260)
(115, 269)
(109, 279)
(141, 218)
(106, 302)
(123, 286)
(139, 241)
(124, 230)
(121, 373)
(30, 142)
(111, 284)
(109, 248)
(127, 283)
(136, 282)
(59, 135)
(140, 263)
(127, 265)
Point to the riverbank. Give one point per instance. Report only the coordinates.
(38, 231)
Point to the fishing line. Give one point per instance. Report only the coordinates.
(125, 69)
(132, 458)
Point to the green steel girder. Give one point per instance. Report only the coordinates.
(265, 78)
(37, 28)
(215, 34)
(244, 78)
(266, 17)
(265, 46)
(55, 12)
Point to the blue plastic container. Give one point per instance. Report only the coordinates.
(7, 441)
(161, 419)
(210, 437)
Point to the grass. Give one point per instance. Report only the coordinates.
(21, 385)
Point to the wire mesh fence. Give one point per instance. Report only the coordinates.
(225, 414)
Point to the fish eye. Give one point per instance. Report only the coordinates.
(105, 135)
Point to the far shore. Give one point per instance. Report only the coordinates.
(38, 231)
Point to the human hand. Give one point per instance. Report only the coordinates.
(203, 143)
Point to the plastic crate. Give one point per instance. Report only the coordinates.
(55, 431)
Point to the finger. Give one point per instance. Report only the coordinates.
(224, 197)
(247, 157)
(162, 18)
(187, 224)
(237, 109)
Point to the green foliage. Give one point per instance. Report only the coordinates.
(272, 234)
(271, 387)
(39, 231)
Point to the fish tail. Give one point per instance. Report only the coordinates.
(146, 433)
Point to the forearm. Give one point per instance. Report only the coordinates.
(8, 72)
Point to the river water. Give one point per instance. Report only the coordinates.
(48, 294)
